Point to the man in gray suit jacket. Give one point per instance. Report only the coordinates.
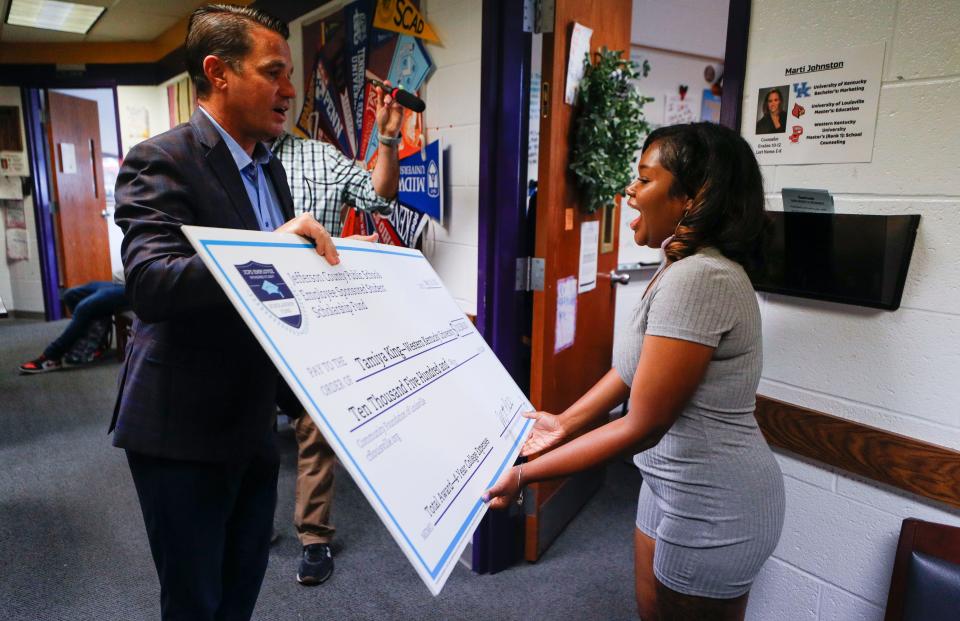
(197, 395)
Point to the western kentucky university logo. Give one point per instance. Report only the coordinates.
(268, 286)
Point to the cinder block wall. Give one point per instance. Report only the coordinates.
(894, 370)
(452, 95)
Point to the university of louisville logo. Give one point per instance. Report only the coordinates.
(272, 291)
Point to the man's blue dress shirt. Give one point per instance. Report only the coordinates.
(257, 182)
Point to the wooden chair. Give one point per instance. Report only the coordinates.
(925, 585)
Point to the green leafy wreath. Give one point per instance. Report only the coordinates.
(608, 124)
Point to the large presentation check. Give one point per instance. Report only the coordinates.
(418, 409)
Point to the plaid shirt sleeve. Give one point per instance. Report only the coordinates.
(322, 180)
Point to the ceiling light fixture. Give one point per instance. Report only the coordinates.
(54, 15)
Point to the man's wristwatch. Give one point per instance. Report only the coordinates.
(388, 141)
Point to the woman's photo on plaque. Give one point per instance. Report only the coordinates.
(772, 109)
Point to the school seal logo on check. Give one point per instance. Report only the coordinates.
(269, 287)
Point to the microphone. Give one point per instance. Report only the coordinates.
(404, 98)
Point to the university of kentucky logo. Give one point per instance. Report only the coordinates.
(268, 286)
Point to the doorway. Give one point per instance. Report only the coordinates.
(75, 146)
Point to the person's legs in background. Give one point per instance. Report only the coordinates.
(314, 496)
(74, 295)
(87, 302)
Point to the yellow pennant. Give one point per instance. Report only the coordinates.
(401, 16)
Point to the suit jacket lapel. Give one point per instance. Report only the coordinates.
(279, 177)
(225, 168)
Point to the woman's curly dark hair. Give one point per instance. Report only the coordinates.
(715, 168)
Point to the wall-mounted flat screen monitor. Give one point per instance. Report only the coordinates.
(847, 258)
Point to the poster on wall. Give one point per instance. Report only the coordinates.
(566, 327)
(17, 247)
(421, 181)
(817, 108)
(589, 245)
(13, 163)
(579, 50)
(11, 188)
(710, 106)
(13, 160)
(135, 121)
(678, 109)
(15, 222)
(181, 101)
(10, 138)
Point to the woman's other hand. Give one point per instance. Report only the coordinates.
(505, 491)
(548, 432)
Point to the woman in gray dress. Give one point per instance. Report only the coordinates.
(711, 505)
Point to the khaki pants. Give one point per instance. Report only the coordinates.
(315, 460)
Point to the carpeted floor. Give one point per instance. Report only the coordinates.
(73, 546)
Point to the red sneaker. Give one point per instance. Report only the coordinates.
(40, 365)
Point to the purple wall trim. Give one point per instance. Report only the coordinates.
(504, 74)
(116, 118)
(735, 63)
(37, 154)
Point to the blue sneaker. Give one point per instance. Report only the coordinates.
(316, 565)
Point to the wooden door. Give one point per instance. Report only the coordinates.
(83, 247)
(558, 378)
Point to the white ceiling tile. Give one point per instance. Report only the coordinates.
(124, 20)
(123, 23)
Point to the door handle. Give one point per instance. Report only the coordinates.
(617, 278)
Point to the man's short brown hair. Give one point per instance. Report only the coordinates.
(223, 30)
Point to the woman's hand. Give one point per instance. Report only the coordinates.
(505, 491)
(548, 432)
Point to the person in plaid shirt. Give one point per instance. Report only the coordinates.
(323, 182)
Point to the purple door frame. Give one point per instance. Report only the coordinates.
(39, 157)
(735, 63)
(504, 105)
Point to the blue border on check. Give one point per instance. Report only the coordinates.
(435, 570)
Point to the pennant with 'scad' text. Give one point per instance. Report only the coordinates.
(401, 16)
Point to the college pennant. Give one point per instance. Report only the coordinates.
(403, 17)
